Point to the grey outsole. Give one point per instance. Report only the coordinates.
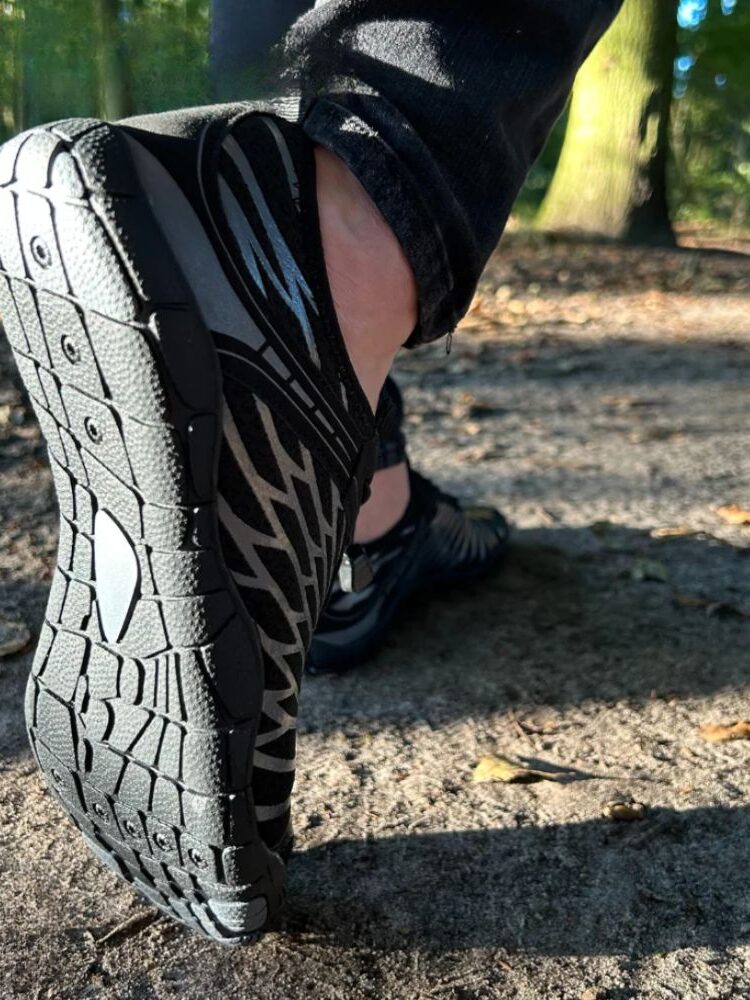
(147, 683)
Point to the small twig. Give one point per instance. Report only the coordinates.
(518, 727)
(130, 927)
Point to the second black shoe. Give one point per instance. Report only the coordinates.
(163, 287)
(437, 541)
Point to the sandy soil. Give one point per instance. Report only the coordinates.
(597, 396)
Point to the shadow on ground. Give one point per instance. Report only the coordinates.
(675, 880)
(566, 620)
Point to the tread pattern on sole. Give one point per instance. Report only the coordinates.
(142, 704)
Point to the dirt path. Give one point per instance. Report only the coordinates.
(598, 396)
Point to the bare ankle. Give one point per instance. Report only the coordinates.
(389, 498)
(372, 284)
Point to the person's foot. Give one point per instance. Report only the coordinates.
(437, 541)
(164, 289)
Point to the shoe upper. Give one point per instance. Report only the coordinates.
(436, 541)
(299, 437)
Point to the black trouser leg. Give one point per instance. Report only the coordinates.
(440, 109)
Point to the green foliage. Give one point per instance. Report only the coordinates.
(711, 118)
(710, 165)
(59, 73)
(9, 68)
(168, 45)
(54, 63)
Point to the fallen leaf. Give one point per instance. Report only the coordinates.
(718, 733)
(649, 569)
(14, 636)
(510, 772)
(734, 514)
(690, 601)
(618, 402)
(713, 608)
(487, 452)
(678, 531)
(590, 994)
(624, 812)
(655, 434)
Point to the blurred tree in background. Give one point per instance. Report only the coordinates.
(109, 57)
(711, 112)
(115, 92)
(61, 58)
(11, 69)
(611, 178)
(705, 152)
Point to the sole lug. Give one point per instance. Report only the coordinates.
(147, 683)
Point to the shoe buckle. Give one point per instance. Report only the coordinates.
(355, 571)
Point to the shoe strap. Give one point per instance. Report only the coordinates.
(355, 571)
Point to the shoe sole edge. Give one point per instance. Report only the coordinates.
(132, 704)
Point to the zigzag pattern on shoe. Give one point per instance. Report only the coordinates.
(164, 291)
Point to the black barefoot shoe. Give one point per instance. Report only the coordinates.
(437, 542)
(163, 696)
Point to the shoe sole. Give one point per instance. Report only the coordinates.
(147, 683)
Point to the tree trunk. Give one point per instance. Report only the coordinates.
(115, 94)
(12, 110)
(241, 43)
(610, 180)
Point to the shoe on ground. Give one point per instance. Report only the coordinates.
(163, 287)
(437, 542)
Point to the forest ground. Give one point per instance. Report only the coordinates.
(599, 396)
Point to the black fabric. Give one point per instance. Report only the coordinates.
(297, 219)
(300, 439)
(435, 542)
(391, 438)
(440, 109)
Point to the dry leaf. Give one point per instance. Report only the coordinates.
(649, 569)
(655, 434)
(723, 733)
(690, 601)
(624, 402)
(734, 514)
(678, 531)
(510, 772)
(624, 812)
(14, 636)
(712, 607)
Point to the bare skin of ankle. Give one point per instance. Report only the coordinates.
(375, 296)
(389, 498)
(372, 284)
